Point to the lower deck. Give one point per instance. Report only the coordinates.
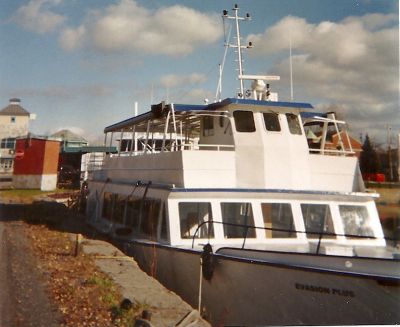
(307, 222)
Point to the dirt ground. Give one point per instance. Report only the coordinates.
(50, 286)
(24, 300)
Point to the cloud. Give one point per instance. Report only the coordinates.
(173, 80)
(67, 92)
(72, 38)
(36, 17)
(353, 63)
(127, 27)
(76, 130)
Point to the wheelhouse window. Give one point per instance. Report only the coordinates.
(294, 124)
(194, 214)
(271, 121)
(208, 126)
(238, 220)
(278, 219)
(244, 121)
(317, 220)
(356, 220)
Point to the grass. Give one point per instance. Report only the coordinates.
(27, 194)
(122, 316)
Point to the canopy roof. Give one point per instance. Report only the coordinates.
(190, 114)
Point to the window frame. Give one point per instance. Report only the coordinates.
(294, 130)
(236, 120)
(277, 120)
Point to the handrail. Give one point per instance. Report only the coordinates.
(181, 147)
(331, 151)
(320, 234)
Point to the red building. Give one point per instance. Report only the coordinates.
(36, 162)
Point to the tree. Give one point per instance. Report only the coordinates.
(369, 161)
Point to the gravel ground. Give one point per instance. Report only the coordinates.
(23, 298)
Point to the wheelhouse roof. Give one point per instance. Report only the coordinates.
(190, 114)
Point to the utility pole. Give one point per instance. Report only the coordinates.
(389, 150)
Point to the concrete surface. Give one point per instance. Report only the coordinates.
(166, 307)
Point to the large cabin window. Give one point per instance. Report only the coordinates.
(317, 220)
(132, 212)
(163, 227)
(149, 217)
(208, 126)
(294, 124)
(271, 121)
(191, 215)
(108, 204)
(278, 218)
(119, 208)
(238, 220)
(356, 220)
(244, 121)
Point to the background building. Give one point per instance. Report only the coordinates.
(14, 122)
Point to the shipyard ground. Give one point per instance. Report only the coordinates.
(43, 283)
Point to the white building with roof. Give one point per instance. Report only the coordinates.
(14, 122)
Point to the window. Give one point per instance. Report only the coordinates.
(132, 212)
(244, 121)
(6, 163)
(191, 215)
(12, 120)
(278, 216)
(119, 208)
(238, 220)
(108, 203)
(356, 220)
(163, 227)
(208, 126)
(7, 143)
(271, 121)
(149, 217)
(317, 219)
(294, 124)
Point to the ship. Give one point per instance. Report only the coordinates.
(243, 209)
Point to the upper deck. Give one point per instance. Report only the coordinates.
(236, 143)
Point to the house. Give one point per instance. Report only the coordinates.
(14, 122)
(77, 159)
(349, 142)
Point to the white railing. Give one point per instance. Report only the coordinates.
(332, 152)
(176, 148)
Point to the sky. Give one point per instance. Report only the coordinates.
(82, 64)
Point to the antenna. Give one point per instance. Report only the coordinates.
(291, 68)
(218, 94)
(238, 44)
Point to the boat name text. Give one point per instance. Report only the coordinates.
(324, 290)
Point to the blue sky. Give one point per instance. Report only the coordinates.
(81, 64)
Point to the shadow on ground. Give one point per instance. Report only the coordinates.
(54, 215)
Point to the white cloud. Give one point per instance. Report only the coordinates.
(35, 16)
(353, 63)
(72, 38)
(173, 80)
(76, 130)
(126, 26)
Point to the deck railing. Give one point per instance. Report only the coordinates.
(319, 234)
(177, 148)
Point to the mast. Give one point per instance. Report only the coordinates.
(238, 45)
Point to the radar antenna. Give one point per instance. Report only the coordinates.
(260, 90)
